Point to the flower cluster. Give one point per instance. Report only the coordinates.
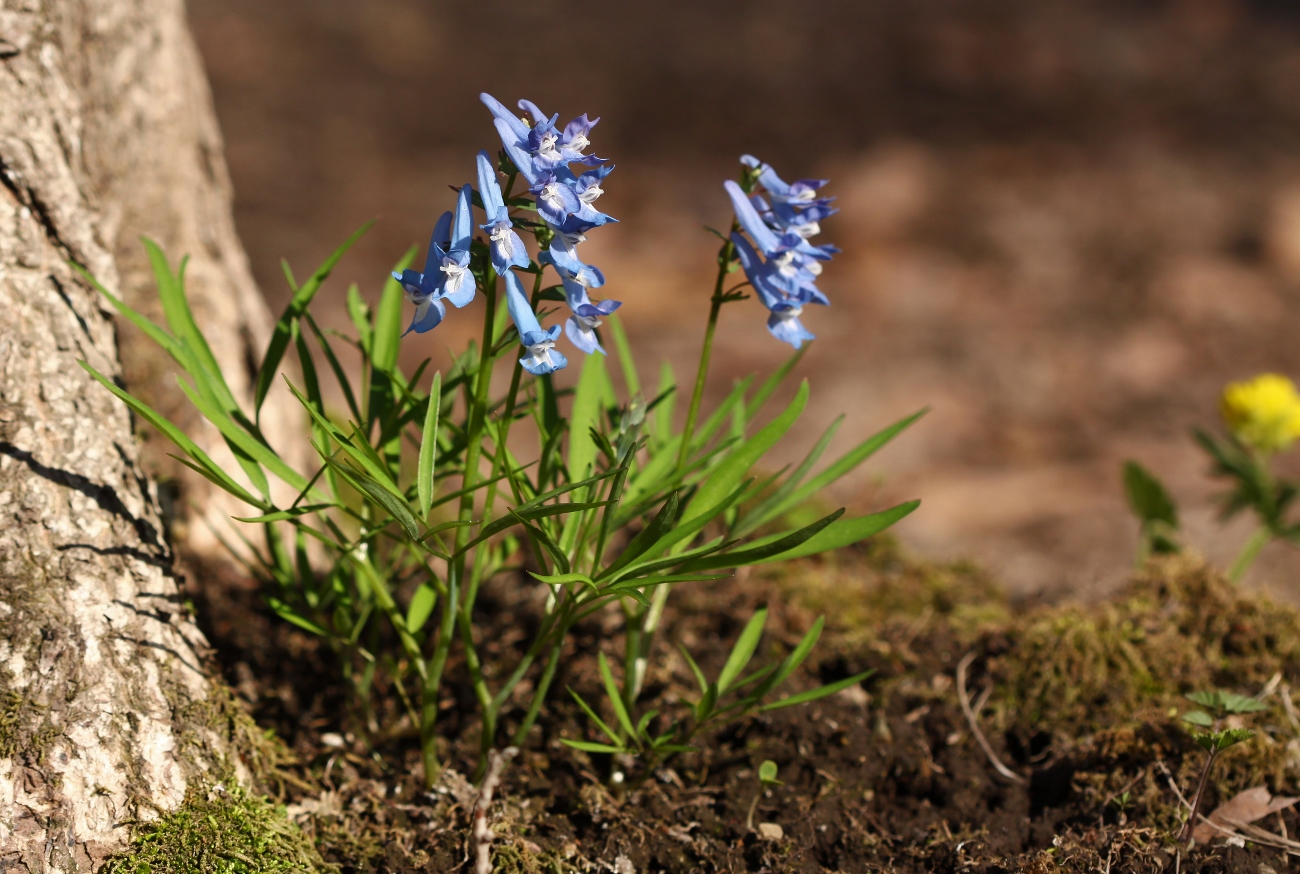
(1263, 412)
(542, 154)
(780, 262)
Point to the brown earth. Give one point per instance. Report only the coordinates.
(886, 777)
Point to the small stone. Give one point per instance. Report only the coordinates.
(770, 831)
(331, 740)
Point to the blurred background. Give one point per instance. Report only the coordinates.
(1065, 225)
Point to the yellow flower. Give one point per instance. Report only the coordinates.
(1263, 412)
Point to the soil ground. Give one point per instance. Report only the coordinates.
(1079, 702)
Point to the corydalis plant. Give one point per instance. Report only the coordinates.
(419, 497)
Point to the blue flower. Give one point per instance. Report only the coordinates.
(506, 246)
(581, 326)
(420, 288)
(794, 262)
(802, 192)
(562, 254)
(540, 146)
(785, 307)
(542, 356)
(556, 199)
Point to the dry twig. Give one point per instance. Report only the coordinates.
(482, 834)
(962, 668)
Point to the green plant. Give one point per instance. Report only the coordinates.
(1262, 416)
(766, 780)
(419, 495)
(732, 695)
(1214, 739)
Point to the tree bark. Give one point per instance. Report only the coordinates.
(107, 711)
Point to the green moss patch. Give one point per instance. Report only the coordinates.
(219, 830)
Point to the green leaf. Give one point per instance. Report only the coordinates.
(359, 312)
(547, 543)
(792, 662)
(358, 450)
(845, 532)
(1147, 496)
(284, 515)
(339, 373)
(1231, 737)
(816, 694)
(171, 292)
(695, 669)
(562, 579)
(743, 651)
(589, 747)
(388, 319)
(204, 463)
(393, 503)
(1198, 717)
(624, 352)
(302, 296)
(585, 416)
(421, 607)
(615, 696)
(242, 441)
(664, 410)
(285, 612)
(600, 723)
(1234, 703)
(771, 384)
(767, 773)
(530, 514)
(736, 464)
(428, 446)
(648, 537)
(842, 466)
(169, 343)
(783, 545)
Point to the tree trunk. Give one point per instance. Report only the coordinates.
(107, 712)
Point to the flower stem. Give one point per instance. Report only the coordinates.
(451, 605)
(1249, 552)
(725, 257)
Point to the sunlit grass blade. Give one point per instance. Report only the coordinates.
(664, 410)
(393, 503)
(203, 462)
(345, 384)
(428, 447)
(843, 465)
(283, 330)
(649, 536)
(816, 694)
(285, 515)
(238, 437)
(421, 607)
(615, 696)
(771, 384)
(735, 466)
(845, 532)
(742, 650)
(767, 507)
(783, 546)
(171, 292)
(624, 352)
(600, 723)
(695, 669)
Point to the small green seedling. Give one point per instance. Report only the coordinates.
(1155, 510)
(1214, 740)
(733, 695)
(766, 780)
